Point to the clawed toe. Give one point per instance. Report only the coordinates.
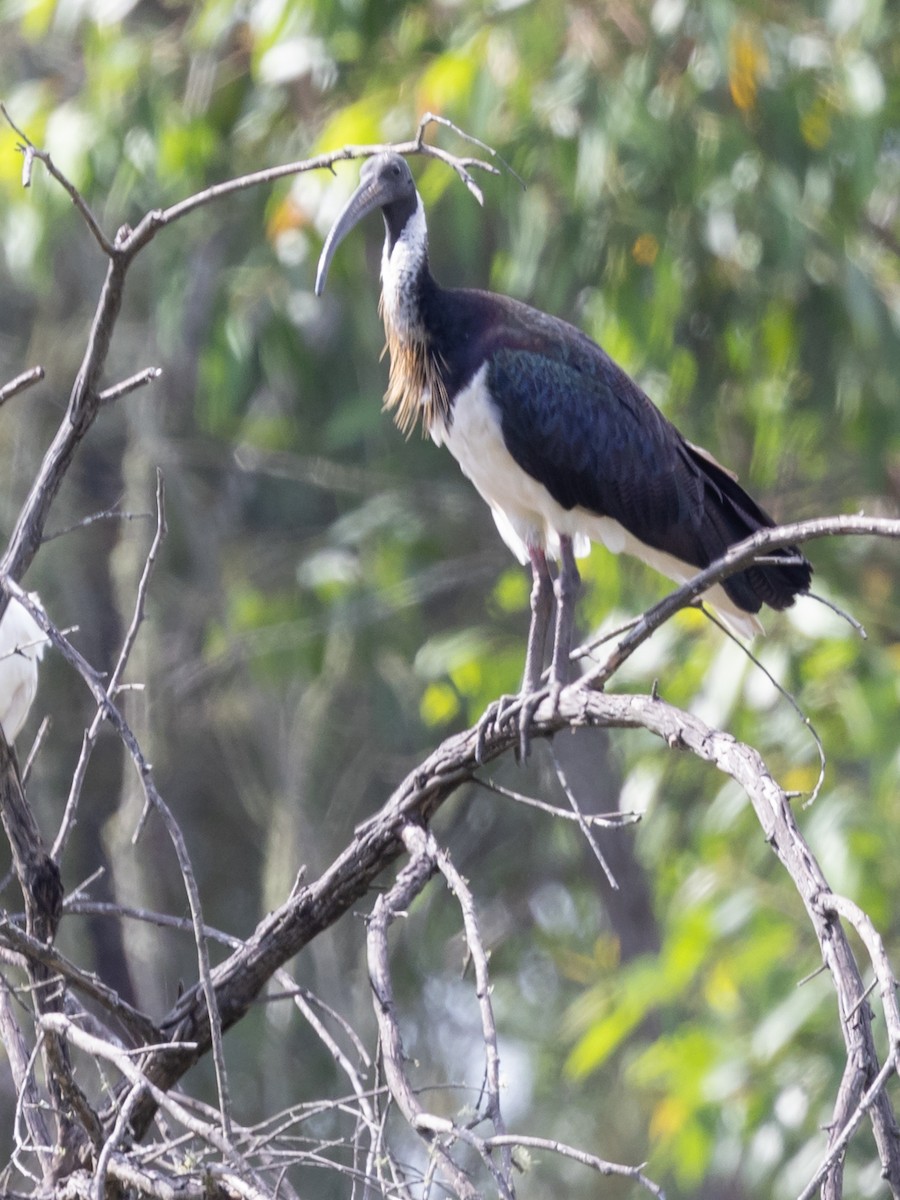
(521, 707)
(529, 705)
(495, 717)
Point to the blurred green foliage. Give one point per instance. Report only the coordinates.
(713, 193)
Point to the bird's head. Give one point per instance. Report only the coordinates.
(385, 182)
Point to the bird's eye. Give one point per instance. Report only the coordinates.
(396, 170)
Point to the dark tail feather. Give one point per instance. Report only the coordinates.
(733, 515)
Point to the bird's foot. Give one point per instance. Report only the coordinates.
(521, 709)
(495, 717)
(528, 706)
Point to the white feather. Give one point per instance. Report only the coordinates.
(22, 643)
(400, 265)
(527, 515)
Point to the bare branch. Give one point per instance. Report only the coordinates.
(139, 1026)
(98, 1048)
(410, 882)
(871, 939)
(108, 514)
(582, 823)
(118, 390)
(739, 556)
(93, 731)
(612, 820)
(422, 844)
(158, 219)
(20, 1063)
(461, 891)
(20, 383)
(600, 1165)
(39, 739)
(839, 1144)
(120, 1130)
(145, 774)
(31, 152)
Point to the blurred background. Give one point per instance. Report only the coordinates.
(712, 192)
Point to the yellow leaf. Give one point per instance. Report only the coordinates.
(645, 250)
(37, 18)
(721, 990)
(355, 125)
(815, 124)
(287, 217)
(800, 779)
(668, 1117)
(439, 704)
(446, 82)
(747, 64)
(468, 676)
(511, 590)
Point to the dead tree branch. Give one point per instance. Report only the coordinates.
(739, 556)
(20, 383)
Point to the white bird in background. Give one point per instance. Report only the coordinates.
(22, 643)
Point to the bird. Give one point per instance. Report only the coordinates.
(22, 644)
(562, 444)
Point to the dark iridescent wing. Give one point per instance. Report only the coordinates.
(579, 425)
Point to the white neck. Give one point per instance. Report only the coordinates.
(400, 266)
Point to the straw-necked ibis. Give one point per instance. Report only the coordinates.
(561, 443)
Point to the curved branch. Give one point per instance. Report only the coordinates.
(739, 556)
(380, 842)
(20, 383)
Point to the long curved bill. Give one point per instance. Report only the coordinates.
(367, 197)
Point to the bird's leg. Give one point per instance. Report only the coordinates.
(541, 603)
(567, 586)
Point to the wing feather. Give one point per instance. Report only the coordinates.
(576, 422)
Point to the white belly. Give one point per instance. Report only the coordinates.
(527, 515)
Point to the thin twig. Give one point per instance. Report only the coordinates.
(91, 734)
(39, 738)
(787, 695)
(582, 823)
(32, 949)
(21, 1068)
(612, 820)
(99, 1048)
(600, 1165)
(463, 894)
(31, 152)
(131, 384)
(737, 558)
(855, 625)
(108, 514)
(20, 383)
